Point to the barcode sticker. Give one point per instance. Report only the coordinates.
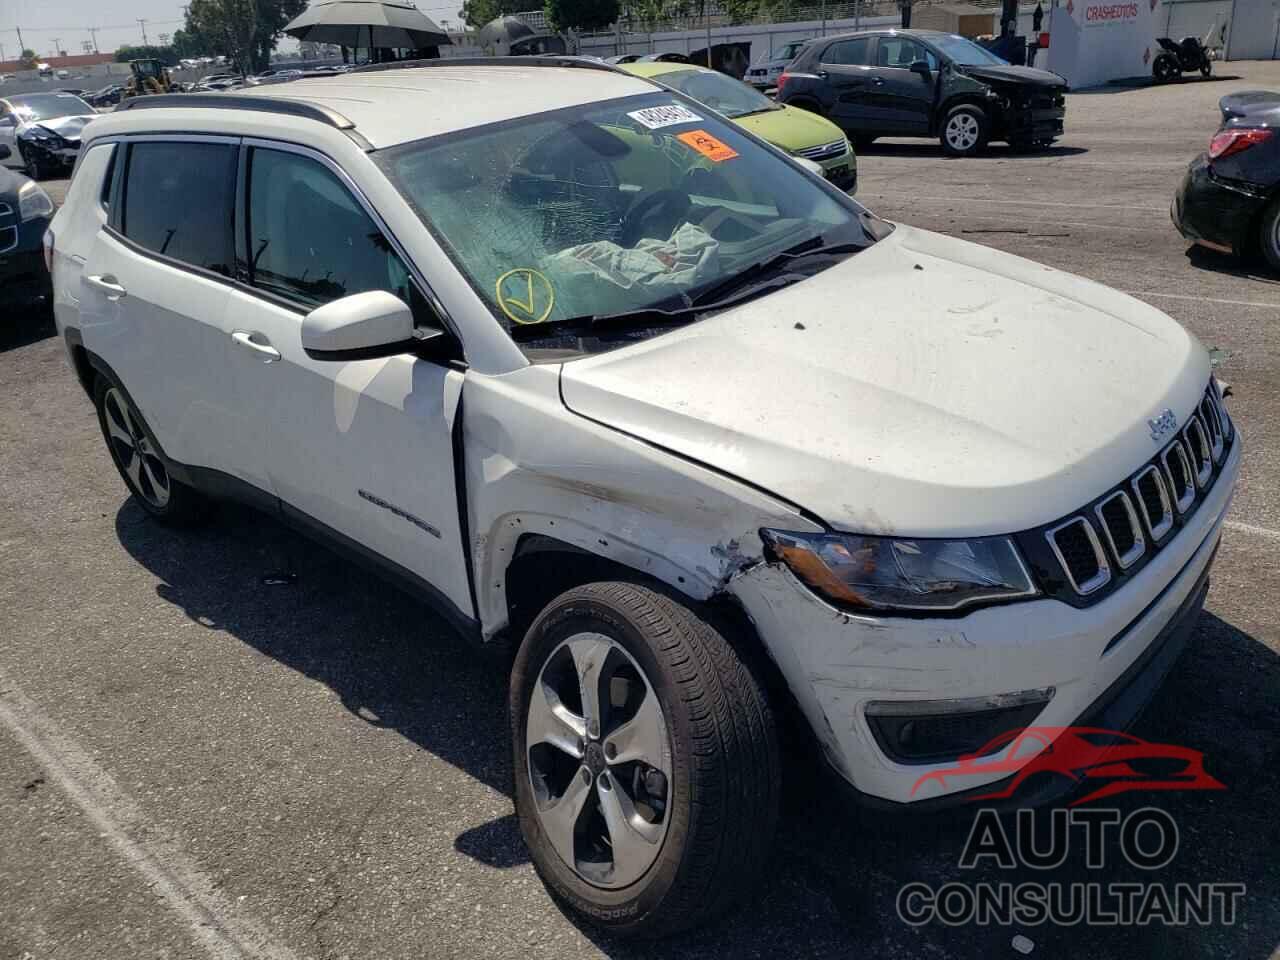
(668, 116)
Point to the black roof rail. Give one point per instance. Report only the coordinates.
(536, 60)
(231, 101)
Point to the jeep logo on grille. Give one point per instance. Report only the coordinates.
(1162, 424)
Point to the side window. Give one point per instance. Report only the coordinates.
(309, 240)
(901, 52)
(853, 53)
(108, 178)
(179, 201)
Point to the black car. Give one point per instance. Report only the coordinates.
(1229, 199)
(921, 83)
(25, 212)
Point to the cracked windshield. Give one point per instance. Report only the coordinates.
(575, 220)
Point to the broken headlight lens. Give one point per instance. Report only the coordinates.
(890, 573)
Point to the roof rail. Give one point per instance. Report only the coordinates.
(539, 60)
(231, 101)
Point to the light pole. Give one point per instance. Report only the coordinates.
(143, 23)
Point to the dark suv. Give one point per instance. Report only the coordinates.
(921, 83)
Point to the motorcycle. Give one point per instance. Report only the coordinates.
(1178, 58)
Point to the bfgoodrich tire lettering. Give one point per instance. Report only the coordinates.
(722, 792)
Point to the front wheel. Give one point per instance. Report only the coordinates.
(31, 164)
(964, 133)
(646, 760)
(1165, 68)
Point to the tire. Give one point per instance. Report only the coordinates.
(863, 140)
(1206, 67)
(1165, 69)
(146, 475)
(30, 165)
(964, 132)
(708, 813)
(1269, 234)
(806, 104)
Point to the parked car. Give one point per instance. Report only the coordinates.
(107, 96)
(921, 83)
(799, 132)
(43, 131)
(1229, 199)
(595, 369)
(764, 73)
(25, 212)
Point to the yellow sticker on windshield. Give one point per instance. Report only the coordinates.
(525, 295)
(707, 145)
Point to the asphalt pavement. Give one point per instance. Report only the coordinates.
(198, 761)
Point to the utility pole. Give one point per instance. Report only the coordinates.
(21, 45)
(93, 32)
(57, 46)
(143, 23)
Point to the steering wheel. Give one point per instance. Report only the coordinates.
(675, 203)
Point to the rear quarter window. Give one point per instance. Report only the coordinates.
(179, 201)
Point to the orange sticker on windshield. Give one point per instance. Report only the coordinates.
(707, 145)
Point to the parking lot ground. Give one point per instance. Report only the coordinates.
(196, 761)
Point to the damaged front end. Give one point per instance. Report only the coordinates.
(51, 147)
(1026, 106)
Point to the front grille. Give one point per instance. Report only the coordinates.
(1080, 554)
(825, 151)
(1111, 538)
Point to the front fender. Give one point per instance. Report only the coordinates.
(534, 467)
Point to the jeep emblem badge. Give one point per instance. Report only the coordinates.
(1162, 424)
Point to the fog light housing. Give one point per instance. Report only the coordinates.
(933, 731)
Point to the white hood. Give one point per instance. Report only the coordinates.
(926, 386)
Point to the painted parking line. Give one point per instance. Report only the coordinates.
(1185, 296)
(985, 201)
(225, 933)
(1255, 530)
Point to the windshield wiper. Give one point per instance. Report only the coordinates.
(813, 247)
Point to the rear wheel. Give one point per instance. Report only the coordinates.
(964, 133)
(1206, 67)
(646, 760)
(140, 461)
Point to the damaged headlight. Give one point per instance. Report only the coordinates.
(890, 573)
(33, 202)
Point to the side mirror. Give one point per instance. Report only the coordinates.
(921, 67)
(5, 152)
(359, 327)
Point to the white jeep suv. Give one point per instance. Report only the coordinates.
(584, 365)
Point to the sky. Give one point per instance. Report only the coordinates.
(68, 21)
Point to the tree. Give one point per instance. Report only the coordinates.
(479, 12)
(151, 52)
(245, 31)
(188, 44)
(581, 14)
(28, 60)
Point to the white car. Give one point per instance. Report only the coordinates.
(764, 73)
(43, 131)
(588, 367)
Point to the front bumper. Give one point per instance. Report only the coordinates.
(1034, 124)
(23, 277)
(1213, 212)
(837, 663)
(53, 155)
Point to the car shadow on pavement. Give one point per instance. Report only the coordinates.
(1245, 268)
(996, 151)
(838, 868)
(31, 325)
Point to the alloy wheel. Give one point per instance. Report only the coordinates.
(136, 454)
(599, 760)
(962, 131)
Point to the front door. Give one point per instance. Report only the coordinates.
(362, 448)
(903, 99)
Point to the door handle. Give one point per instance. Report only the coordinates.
(822, 73)
(267, 352)
(108, 285)
(877, 81)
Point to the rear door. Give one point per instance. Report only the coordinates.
(903, 100)
(154, 289)
(362, 448)
(846, 65)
